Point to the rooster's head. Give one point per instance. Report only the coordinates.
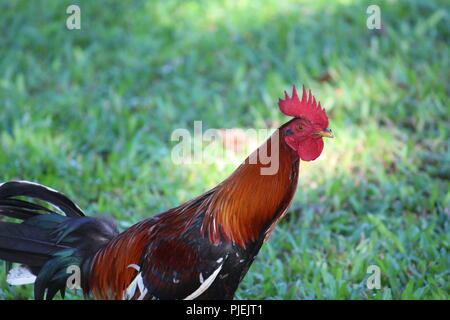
(310, 124)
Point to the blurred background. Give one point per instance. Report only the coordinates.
(90, 112)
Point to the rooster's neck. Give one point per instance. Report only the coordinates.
(246, 207)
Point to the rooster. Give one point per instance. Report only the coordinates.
(201, 249)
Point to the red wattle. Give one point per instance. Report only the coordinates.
(310, 149)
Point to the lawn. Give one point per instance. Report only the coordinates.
(90, 112)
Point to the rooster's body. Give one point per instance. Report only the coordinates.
(199, 250)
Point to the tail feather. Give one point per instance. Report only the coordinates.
(34, 261)
(23, 238)
(34, 190)
(47, 242)
(19, 209)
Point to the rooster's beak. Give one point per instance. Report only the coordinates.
(326, 133)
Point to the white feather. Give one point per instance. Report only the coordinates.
(137, 283)
(205, 285)
(20, 275)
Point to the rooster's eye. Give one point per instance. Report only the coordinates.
(299, 127)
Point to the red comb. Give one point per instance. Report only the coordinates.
(306, 108)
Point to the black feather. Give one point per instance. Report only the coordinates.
(46, 241)
(24, 237)
(16, 213)
(26, 258)
(23, 204)
(33, 190)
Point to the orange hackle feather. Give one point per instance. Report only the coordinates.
(111, 272)
(248, 201)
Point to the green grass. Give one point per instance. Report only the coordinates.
(90, 112)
